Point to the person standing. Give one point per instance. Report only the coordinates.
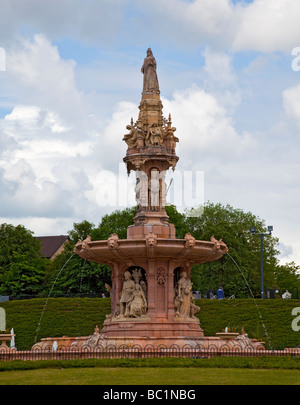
(220, 293)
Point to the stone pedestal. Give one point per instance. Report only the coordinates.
(4, 339)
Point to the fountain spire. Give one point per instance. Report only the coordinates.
(151, 152)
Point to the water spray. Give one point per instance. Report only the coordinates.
(46, 302)
(257, 307)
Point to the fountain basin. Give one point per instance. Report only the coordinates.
(115, 249)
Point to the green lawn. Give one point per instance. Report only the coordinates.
(150, 376)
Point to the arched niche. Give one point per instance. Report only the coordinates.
(176, 274)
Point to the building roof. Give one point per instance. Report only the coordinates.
(51, 244)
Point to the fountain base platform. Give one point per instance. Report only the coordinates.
(100, 342)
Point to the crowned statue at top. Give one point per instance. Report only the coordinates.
(150, 83)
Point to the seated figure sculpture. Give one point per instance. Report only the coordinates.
(138, 305)
(131, 137)
(133, 302)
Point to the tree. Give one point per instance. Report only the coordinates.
(81, 230)
(178, 219)
(233, 227)
(22, 268)
(224, 222)
(69, 274)
(116, 222)
(288, 278)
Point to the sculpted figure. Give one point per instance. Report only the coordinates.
(194, 308)
(190, 241)
(137, 275)
(163, 188)
(154, 188)
(138, 305)
(113, 241)
(131, 137)
(141, 189)
(133, 301)
(151, 239)
(150, 83)
(183, 297)
(154, 135)
(127, 292)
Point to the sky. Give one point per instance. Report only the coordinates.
(70, 81)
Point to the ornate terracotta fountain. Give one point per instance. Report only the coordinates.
(151, 291)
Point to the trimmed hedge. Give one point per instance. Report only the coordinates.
(32, 320)
(273, 327)
(262, 362)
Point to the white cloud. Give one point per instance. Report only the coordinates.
(204, 127)
(36, 73)
(47, 140)
(262, 25)
(218, 67)
(29, 118)
(268, 26)
(291, 103)
(97, 20)
(54, 153)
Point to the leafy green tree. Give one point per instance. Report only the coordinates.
(288, 278)
(71, 274)
(179, 220)
(81, 230)
(233, 227)
(22, 269)
(116, 222)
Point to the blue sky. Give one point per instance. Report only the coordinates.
(72, 82)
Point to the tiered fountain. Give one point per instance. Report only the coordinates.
(151, 291)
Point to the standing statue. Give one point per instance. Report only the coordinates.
(150, 83)
(127, 293)
(154, 188)
(141, 189)
(183, 297)
(154, 135)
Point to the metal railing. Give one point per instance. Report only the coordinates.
(125, 352)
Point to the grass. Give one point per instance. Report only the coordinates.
(151, 376)
(166, 371)
(262, 362)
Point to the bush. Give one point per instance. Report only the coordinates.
(263, 362)
(32, 320)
